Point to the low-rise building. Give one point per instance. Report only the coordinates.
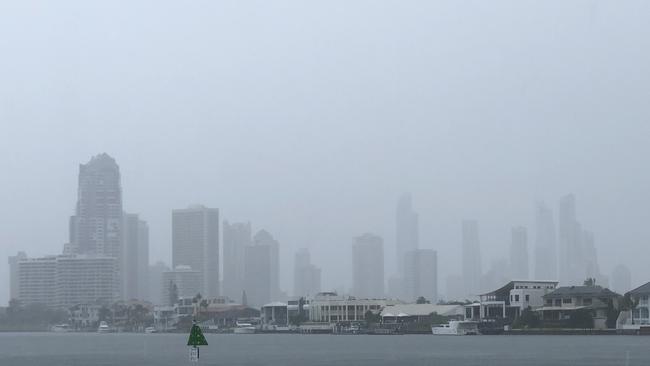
(419, 312)
(560, 304)
(639, 316)
(509, 301)
(328, 307)
(275, 316)
(84, 316)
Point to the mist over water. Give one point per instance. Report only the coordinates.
(311, 120)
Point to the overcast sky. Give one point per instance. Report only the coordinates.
(311, 118)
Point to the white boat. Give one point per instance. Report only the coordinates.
(456, 327)
(103, 327)
(61, 328)
(150, 330)
(244, 328)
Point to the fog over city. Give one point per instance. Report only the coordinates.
(311, 120)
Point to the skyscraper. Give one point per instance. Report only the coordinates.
(195, 243)
(572, 269)
(257, 278)
(471, 257)
(135, 251)
(306, 276)
(14, 283)
(519, 254)
(421, 274)
(236, 237)
(155, 279)
(621, 279)
(96, 227)
(264, 238)
(368, 266)
(406, 230)
(182, 281)
(545, 244)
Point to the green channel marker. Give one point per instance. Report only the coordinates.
(196, 337)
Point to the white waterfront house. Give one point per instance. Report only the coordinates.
(328, 307)
(639, 317)
(510, 300)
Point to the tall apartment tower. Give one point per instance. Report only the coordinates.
(306, 276)
(96, 227)
(471, 257)
(195, 243)
(368, 266)
(236, 237)
(14, 283)
(264, 238)
(406, 230)
(136, 257)
(257, 278)
(545, 244)
(421, 274)
(572, 266)
(519, 254)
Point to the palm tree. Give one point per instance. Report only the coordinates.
(629, 304)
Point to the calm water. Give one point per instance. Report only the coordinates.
(30, 349)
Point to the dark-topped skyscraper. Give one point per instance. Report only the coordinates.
(471, 257)
(545, 244)
(195, 243)
(96, 227)
(406, 230)
(236, 237)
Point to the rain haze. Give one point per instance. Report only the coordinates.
(311, 119)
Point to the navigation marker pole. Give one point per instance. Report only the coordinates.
(196, 339)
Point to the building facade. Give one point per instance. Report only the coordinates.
(181, 282)
(471, 258)
(14, 282)
(519, 253)
(406, 230)
(545, 244)
(306, 276)
(236, 237)
(421, 275)
(328, 307)
(257, 278)
(136, 257)
(368, 266)
(195, 243)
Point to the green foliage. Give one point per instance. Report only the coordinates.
(173, 293)
(31, 317)
(297, 319)
(438, 319)
(590, 281)
(612, 314)
(422, 300)
(527, 319)
(372, 318)
(582, 319)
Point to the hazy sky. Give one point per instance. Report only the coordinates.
(311, 118)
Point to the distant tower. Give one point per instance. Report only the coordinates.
(545, 244)
(621, 279)
(306, 276)
(368, 266)
(406, 230)
(257, 278)
(195, 243)
(136, 257)
(264, 238)
(421, 275)
(572, 271)
(519, 254)
(14, 283)
(236, 237)
(471, 258)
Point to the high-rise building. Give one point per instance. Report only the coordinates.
(471, 258)
(406, 230)
(455, 290)
(590, 257)
(155, 279)
(264, 238)
(135, 251)
(572, 266)
(236, 237)
(183, 281)
(368, 266)
(545, 244)
(14, 283)
(67, 280)
(257, 278)
(96, 227)
(195, 243)
(621, 279)
(421, 274)
(306, 276)
(519, 254)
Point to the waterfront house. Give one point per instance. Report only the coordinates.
(561, 304)
(638, 318)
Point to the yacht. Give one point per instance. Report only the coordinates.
(244, 328)
(103, 327)
(150, 330)
(61, 328)
(456, 327)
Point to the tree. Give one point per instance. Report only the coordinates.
(612, 314)
(438, 319)
(422, 300)
(173, 293)
(590, 281)
(104, 313)
(581, 318)
(527, 319)
(372, 318)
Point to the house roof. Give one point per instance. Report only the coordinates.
(402, 310)
(581, 291)
(641, 290)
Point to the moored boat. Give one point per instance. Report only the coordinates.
(456, 327)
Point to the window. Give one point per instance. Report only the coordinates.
(549, 302)
(558, 302)
(527, 298)
(516, 298)
(511, 297)
(567, 300)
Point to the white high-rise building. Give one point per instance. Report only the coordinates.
(236, 237)
(545, 244)
(406, 230)
(38, 281)
(135, 251)
(14, 283)
(519, 254)
(368, 266)
(195, 243)
(306, 276)
(471, 258)
(421, 275)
